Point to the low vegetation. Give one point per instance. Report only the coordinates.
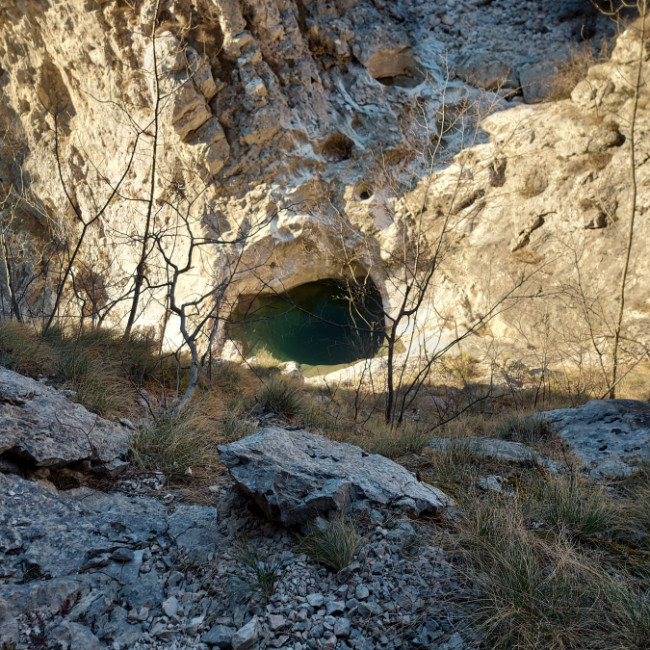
(553, 581)
(554, 561)
(574, 69)
(280, 396)
(333, 543)
(257, 575)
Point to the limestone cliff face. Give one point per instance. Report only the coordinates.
(319, 136)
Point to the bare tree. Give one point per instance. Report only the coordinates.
(637, 83)
(200, 313)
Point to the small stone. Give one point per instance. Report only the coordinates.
(369, 609)
(194, 624)
(455, 642)
(246, 636)
(275, 622)
(122, 555)
(335, 607)
(315, 600)
(361, 592)
(170, 607)
(317, 631)
(278, 642)
(143, 613)
(352, 603)
(342, 627)
(329, 643)
(219, 635)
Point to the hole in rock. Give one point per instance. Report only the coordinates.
(337, 147)
(319, 323)
(395, 67)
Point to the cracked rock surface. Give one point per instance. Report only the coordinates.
(295, 475)
(39, 425)
(111, 570)
(609, 436)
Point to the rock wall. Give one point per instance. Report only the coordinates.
(296, 140)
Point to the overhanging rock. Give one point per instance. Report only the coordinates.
(295, 475)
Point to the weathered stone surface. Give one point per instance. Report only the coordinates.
(536, 80)
(495, 483)
(246, 636)
(249, 97)
(219, 635)
(609, 436)
(163, 598)
(295, 475)
(66, 558)
(487, 71)
(512, 452)
(75, 636)
(42, 427)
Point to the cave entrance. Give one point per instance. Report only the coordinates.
(320, 323)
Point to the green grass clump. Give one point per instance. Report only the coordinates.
(228, 377)
(281, 396)
(22, 350)
(174, 443)
(395, 442)
(234, 427)
(97, 365)
(542, 592)
(517, 428)
(256, 576)
(453, 466)
(333, 544)
(571, 502)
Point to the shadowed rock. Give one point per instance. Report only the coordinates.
(295, 475)
(40, 426)
(505, 450)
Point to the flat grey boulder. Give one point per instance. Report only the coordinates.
(41, 426)
(610, 437)
(504, 450)
(295, 475)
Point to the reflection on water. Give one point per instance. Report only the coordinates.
(314, 324)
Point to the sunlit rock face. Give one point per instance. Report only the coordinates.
(295, 142)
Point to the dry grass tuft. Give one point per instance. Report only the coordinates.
(572, 71)
(281, 396)
(334, 543)
(545, 593)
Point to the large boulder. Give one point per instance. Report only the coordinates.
(609, 436)
(295, 475)
(41, 427)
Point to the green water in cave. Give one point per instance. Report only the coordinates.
(314, 324)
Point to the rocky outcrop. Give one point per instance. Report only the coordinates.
(41, 428)
(67, 557)
(610, 437)
(293, 476)
(299, 127)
